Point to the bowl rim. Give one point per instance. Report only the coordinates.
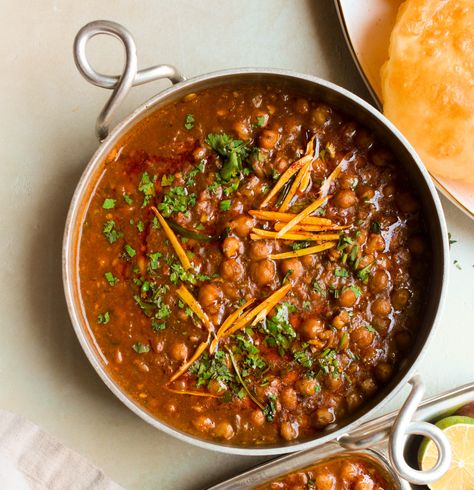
(70, 245)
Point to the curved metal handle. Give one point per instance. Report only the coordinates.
(403, 426)
(119, 84)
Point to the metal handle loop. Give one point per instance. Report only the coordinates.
(120, 84)
(403, 426)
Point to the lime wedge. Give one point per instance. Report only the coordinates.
(460, 432)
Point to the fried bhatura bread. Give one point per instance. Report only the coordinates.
(428, 83)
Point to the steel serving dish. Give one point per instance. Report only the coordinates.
(312, 87)
(358, 443)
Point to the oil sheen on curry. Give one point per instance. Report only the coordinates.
(250, 265)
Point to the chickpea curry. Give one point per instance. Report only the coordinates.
(251, 265)
(338, 473)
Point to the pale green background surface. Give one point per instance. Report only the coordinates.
(47, 114)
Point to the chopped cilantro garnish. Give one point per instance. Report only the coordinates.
(225, 205)
(321, 289)
(140, 226)
(375, 227)
(370, 328)
(339, 272)
(234, 152)
(306, 305)
(177, 199)
(356, 290)
(111, 232)
(109, 203)
(190, 176)
(328, 363)
(140, 348)
(300, 245)
(167, 180)
(250, 352)
(277, 329)
(154, 262)
(147, 186)
(127, 198)
(130, 250)
(189, 121)
(103, 318)
(157, 326)
(206, 368)
(111, 279)
(260, 122)
(304, 358)
(364, 273)
(270, 408)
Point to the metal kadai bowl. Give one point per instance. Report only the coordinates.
(315, 88)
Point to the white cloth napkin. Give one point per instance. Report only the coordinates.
(30, 459)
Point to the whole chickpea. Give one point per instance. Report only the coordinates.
(179, 351)
(381, 307)
(288, 398)
(210, 295)
(224, 430)
(362, 337)
(383, 371)
(324, 416)
(375, 243)
(406, 202)
(257, 418)
(232, 247)
(202, 423)
(242, 225)
(259, 249)
(263, 272)
(231, 270)
(311, 327)
(307, 386)
(289, 430)
(378, 281)
(268, 139)
(347, 298)
(345, 198)
(293, 265)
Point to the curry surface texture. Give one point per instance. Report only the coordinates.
(336, 474)
(327, 310)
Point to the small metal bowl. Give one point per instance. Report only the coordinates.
(312, 87)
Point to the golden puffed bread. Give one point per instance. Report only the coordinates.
(428, 83)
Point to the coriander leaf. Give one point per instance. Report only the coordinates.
(234, 153)
(329, 363)
(140, 226)
(375, 227)
(260, 121)
(370, 328)
(321, 289)
(300, 245)
(140, 348)
(177, 199)
(110, 232)
(339, 272)
(157, 327)
(109, 203)
(206, 368)
(130, 250)
(127, 198)
(279, 333)
(111, 279)
(103, 318)
(270, 409)
(154, 262)
(189, 121)
(225, 205)
(304, 358)
(364, 273)
(167, 180)
(147, 187)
